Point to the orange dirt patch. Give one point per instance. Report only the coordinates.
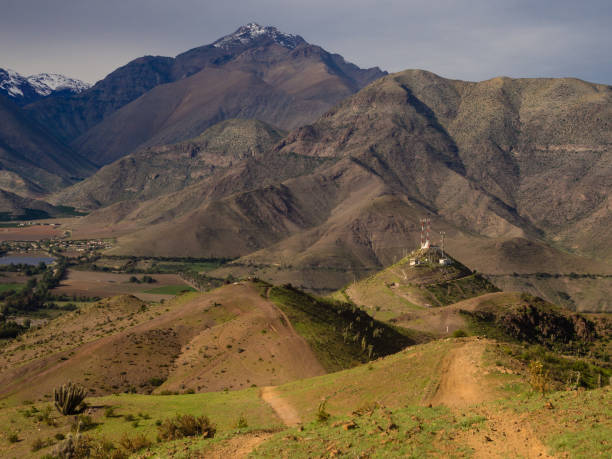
(462, 381)
(95, 283)
(281, 406)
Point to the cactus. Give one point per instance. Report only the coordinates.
(69, 398)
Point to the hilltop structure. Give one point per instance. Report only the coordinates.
(429, 253)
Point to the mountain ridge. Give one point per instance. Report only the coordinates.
(298, 81)
(24, 90)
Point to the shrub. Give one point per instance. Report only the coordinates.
(129, 417)
(538, 377)
(242, 423)
(186, 425)
(13, 438)
(69, 398)
(81, 423)
(135, 443)
(156, 381)
(39, 444)
(45, 416)
(322, 415)
(59, 436)
(459, 334)
(109, 412)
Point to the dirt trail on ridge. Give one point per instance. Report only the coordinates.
(281, 407)
(463, 385)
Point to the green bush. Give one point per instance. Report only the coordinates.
(242, 423)
(459, 334)
(322, 415)
(186, 425)
(39, 444)
(135, 443)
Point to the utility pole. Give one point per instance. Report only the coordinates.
(442, 235)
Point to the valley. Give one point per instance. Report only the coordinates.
(256, 248)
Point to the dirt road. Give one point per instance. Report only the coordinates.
(281, 407)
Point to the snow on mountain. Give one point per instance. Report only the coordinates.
(252, 32)
(46, 83)
(11, 82)
(24, 90)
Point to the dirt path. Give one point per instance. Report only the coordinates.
(237, 447)
(281, 407)
(463, 385)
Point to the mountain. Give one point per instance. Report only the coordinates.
(68, 117)
(33, 162)
(15, 207)
(256, 72)
(24, 90)
(485, 160)
(154, 171)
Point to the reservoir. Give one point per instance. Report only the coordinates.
(17, 260)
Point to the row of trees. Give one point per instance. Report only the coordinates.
(33, 296)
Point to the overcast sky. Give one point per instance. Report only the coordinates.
(472, 40)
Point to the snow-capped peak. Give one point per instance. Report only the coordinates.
(46, 83)
(11, 82)
(27, 89)
(251, 32)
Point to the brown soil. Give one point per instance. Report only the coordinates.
(463, 385)
(29, 233)
(462, 382)
(236, 447)
(258, 346)
(281, 406)
(94, 283)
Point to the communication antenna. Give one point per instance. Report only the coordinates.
(425, 230)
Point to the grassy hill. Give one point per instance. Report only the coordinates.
(392, 406)
(403, 292)
(240, 335)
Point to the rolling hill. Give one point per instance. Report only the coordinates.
(231, 338)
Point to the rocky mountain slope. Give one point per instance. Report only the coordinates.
(256, 72)
(155, 171)
(32, 162)
(15, 207)
(484, 159)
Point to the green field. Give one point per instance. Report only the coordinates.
(7, 287)
(171, 289)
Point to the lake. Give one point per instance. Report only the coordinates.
(25, 260)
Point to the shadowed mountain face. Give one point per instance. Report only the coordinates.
(255, 72)
(155, 171)
(32, 162)
(497, 163)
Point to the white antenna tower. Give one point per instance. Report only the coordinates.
(442, 235)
